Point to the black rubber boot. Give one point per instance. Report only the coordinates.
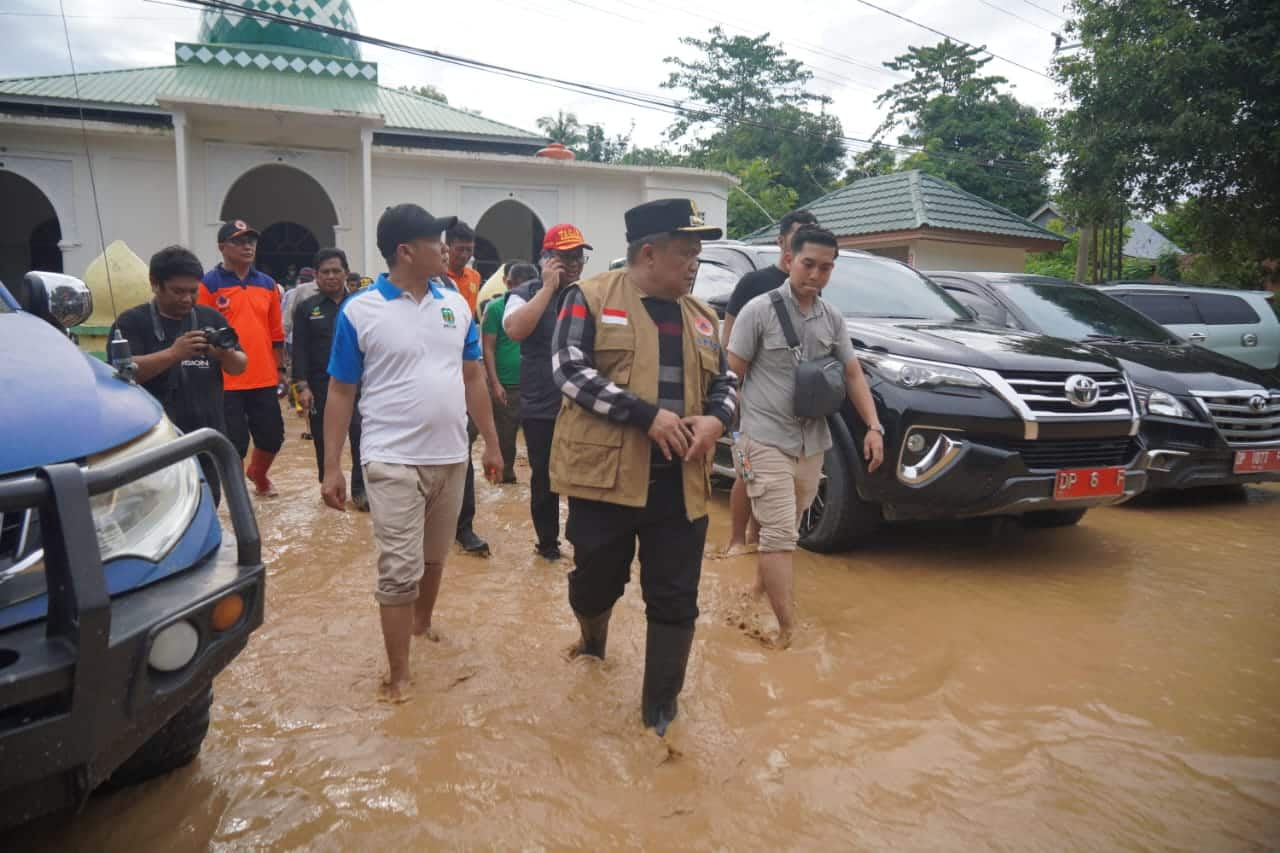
(595, 634)
(666, 654)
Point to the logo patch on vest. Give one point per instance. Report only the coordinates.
(450, 321)
(613, 316)
(703, 325)
(222, 302)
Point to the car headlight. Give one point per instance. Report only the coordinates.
(917, 373)
(1161, 403)
(147, 517)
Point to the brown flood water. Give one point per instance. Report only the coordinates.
(1111, 686)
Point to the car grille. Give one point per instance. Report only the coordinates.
(1045, 394)
(1075, 453)
(1240, 423)
(19, 537)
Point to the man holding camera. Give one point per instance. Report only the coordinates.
(181, 348)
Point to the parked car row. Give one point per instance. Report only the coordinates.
(1013, 395)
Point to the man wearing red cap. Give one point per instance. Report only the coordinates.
(530, 318)
(249, 300)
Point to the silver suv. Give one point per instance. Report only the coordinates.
(1238, 323)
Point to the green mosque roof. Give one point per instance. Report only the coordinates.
(227, 28)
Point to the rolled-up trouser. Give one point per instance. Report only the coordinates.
(507, 421)
(780, 489)
(414, 510)
(254, 413)
(605, 536)
(544, 504)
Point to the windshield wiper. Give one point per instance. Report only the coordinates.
(1108, 339)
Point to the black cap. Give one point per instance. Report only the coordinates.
(235, 228)
(405, 223)
(668, 216)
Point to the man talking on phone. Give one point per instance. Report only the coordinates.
(530, 319)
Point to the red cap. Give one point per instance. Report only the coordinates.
(562, 238)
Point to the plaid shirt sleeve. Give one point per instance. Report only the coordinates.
(722, 395)
(575, 372)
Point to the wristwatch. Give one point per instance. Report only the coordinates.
(877, 428)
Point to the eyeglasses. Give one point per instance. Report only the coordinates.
(574, 256)
(243, 241)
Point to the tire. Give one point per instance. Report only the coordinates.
(175, 745)
(1047, 518)
(837, 519)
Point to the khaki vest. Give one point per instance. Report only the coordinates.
(597, 459)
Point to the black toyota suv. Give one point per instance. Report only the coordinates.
(1208, 420)
(978, 421)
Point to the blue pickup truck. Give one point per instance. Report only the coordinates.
(119, 598)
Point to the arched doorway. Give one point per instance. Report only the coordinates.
(29, 230)
(512, 231)
(290, 209)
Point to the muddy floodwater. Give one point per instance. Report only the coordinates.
(1113, 686)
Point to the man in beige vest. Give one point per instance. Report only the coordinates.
(648, 393)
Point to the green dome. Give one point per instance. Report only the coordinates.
(229, 28)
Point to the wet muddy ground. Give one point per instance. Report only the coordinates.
(1110, 686)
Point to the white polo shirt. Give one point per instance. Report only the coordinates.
(407, 357)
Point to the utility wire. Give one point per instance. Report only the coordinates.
(1043, 9)
(1015, 15)
(695, 111)
(916, 23)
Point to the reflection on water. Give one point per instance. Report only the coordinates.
(1109, 686)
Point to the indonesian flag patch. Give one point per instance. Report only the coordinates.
(613, 316)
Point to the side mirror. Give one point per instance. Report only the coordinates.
(61, 299)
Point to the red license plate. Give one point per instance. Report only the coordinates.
(1073, 483)
(1254, 461)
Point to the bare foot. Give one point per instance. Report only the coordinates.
(734, 549)
(394, 692)
(780, 641)
(427, 633)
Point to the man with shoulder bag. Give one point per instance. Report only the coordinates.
(793, 355)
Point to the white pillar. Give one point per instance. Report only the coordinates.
(184, 200)
(371, 258)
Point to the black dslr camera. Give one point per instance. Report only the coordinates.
(221, 338)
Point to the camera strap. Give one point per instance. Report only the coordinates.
(176, 378)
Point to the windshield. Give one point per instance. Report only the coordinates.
(871, 287)
(1078, 313)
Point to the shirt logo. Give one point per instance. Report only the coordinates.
(703, 325)
(316, 312)
(450, 321)
(613, 317)
(222, 302)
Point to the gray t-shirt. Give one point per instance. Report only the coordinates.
(768, 389)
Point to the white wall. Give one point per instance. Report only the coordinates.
(942, 255)
(136, 176)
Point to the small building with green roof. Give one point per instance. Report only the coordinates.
(928, 223)
(289, 129)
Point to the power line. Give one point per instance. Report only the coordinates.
(916, 23)
(1043, 9)
(1015, 15)
(696, 111)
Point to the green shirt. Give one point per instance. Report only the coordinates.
(506, 352)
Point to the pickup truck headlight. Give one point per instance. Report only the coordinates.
(147, 517)
(1161, 403)
(917, 373)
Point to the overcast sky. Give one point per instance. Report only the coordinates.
(618, 43)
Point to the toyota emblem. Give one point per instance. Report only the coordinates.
(1082, 392)
(1258, 403)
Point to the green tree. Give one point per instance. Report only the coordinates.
(426, 90)
(877, 160)
(748, 103)
(564, 128)
(588, 141)
(1173, 99)
(972, 135)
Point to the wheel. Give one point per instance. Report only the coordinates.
(837, 519)
(1047, 518)
(175, 745)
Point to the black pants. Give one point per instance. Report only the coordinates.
(353, 433)
(255, 413)
(604, 538)
(467, 514)
(544, 504)
(210, 469)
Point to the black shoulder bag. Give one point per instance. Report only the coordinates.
(820, 388)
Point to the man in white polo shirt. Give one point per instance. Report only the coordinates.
(414, 350)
